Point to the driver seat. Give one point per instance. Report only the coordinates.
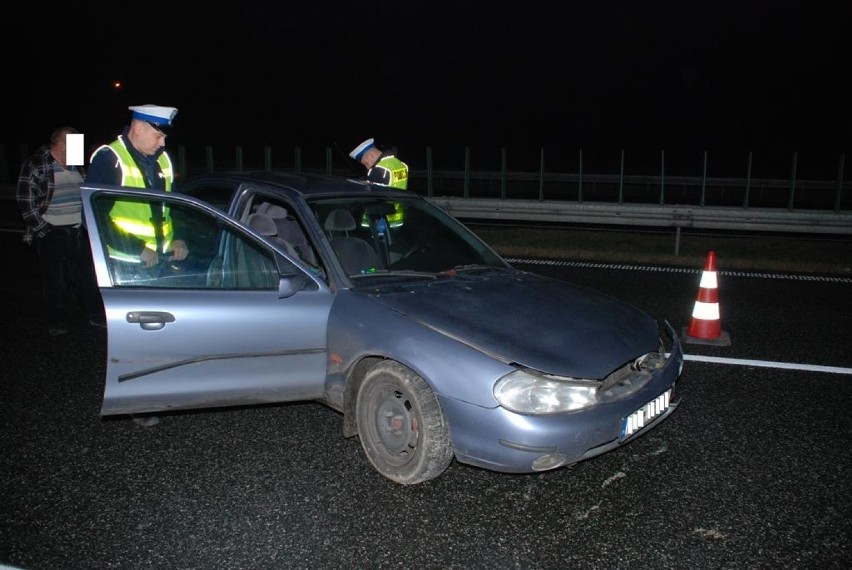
(355, 255)
(265, 226)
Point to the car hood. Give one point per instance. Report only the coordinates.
(530, 320)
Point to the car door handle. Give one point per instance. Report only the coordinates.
(150, 320)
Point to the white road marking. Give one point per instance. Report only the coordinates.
(630, 267)
(768, 364)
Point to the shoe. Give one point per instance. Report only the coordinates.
(56, 330)
(146, 421)
(98, 323)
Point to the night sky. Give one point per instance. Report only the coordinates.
(728, 77)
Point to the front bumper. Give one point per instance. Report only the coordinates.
(500, 440)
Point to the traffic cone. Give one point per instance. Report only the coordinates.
(706, 325)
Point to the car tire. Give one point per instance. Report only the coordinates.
(401, 425)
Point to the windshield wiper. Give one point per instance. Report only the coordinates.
(462, 268)
(396, 273)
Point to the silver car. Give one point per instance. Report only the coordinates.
(380, 305)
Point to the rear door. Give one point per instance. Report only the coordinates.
(237, 322)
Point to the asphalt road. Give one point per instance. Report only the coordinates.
(751, 471)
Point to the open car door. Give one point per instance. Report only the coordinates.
(237, 322)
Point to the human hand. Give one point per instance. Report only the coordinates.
(149, 257)
(179, 250)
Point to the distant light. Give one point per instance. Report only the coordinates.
(117, 85)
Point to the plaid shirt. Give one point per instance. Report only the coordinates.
(35, 191)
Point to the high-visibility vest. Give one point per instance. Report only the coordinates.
(397, 171)
(136, 218)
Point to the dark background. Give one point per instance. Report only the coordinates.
(726, 77)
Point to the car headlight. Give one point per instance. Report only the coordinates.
(522, 392)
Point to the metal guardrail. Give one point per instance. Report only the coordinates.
(731, 218)
(646, 215)
(639, 189)
(659, 188)
(737, 204)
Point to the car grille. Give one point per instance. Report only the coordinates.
(631, 376)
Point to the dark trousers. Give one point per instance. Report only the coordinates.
(65, 261)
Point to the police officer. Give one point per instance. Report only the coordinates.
(383, 167)
(138, 159)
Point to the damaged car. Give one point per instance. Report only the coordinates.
(382, 306)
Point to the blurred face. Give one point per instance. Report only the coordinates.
(147, 138)
(59, 149)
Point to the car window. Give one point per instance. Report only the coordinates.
(373, 235)
(217, 194)
(220, 257)
(275, 218)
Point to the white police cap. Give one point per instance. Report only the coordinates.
(359, 150)
(160, 116)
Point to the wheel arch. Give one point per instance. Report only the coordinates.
(350, 392)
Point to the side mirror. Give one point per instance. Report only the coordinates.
(289, 285)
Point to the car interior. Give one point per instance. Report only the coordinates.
(288, 231)
(355, 254)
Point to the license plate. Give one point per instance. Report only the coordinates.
(644, 415)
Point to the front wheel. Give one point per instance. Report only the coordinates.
(401, 426)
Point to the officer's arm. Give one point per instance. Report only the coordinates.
(104, 169)
(379, 175)
(30, 184)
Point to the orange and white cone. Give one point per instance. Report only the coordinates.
(706, 325)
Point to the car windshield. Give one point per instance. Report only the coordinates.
(405, 237)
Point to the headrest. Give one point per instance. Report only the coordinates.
(340, 221)
(272, 210)
(262, 224)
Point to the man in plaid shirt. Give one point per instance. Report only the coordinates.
(48, 197)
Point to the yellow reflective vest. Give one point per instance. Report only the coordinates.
(136, 218)
(390, 171)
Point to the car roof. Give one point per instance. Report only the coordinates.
(304, 184)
